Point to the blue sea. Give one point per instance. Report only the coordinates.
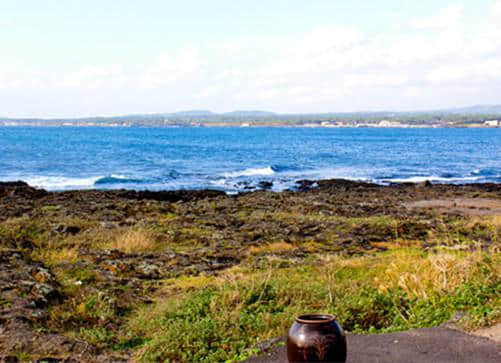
(237, 159)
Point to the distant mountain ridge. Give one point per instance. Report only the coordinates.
(477, 109)
(191, 113)
(244, 113)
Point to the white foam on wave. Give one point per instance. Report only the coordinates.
(61, 182)
(419, 179)
(250, 172)
(347, 173)
(219, 182)
(118, 176)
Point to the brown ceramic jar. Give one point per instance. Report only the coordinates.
(316, 338)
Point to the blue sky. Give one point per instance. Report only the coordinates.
(78, 58)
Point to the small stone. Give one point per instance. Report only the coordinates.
(41, 274)
(44, 290)
(67, 229)
(10, 359)
(108, 225)
(424, 184)
(130, 221)
(148, 270)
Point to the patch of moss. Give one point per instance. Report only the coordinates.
(50, 208)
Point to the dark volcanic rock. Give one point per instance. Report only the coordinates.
(67, 229)
(170, 196)
(304, 185)
(25, 287)
(424, 184)
(265, 185)
(344, 184)
(20, 189)
(190, 232)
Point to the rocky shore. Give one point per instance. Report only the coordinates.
(76, 266)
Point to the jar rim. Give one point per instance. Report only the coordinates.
(315, 318)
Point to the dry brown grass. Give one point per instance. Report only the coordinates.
(417, 277)
(134, 241)
(398, 243)
(271, 248)
(58, 256)
(496, 221)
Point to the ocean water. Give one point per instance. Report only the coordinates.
(237, 159)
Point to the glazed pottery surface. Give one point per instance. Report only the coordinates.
(316, 338)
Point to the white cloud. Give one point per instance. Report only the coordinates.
(6, 22)
(482, 71)
(93, 77)
(448, 17)
(413, 92)
(168, 68)
(328, 68)
(496, 9)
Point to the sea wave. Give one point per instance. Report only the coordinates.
(486, 172)
(249, 178)
(219, 182)
(250, 172)
(431, 178)
(61, 182)
(118, 179)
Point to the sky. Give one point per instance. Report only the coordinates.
(78, 58)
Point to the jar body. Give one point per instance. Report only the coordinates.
(316, 338)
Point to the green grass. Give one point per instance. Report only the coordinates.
(222, 316)
(399, 290)
(50, 208)
(98, 336)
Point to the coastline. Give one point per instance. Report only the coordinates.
(117, 275)
(237, 125)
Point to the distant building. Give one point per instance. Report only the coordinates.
(492, 123)
(387, 123)
(326, 124)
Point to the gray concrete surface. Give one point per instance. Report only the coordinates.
(429, 345)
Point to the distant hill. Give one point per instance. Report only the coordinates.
(191, 114)
(249, 114)
(454, 116)
(477, 109)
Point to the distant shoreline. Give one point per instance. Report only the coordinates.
(302, 186)
(474, 116)
(308, 126)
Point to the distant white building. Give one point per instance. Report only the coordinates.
(328, 124)
(492, 123)
(387, 123)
